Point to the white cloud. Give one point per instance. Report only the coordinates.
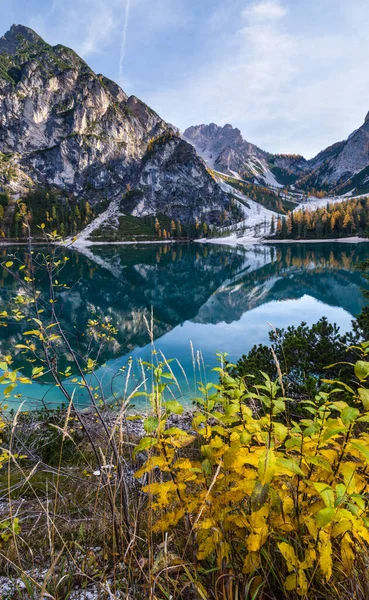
(265, 10)
(85, 25)
(244, 81)
(290, 86)
(90, 26)
(291, 75)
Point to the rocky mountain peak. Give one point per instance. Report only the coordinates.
(18, 36)
(64, 127)
(223, 148)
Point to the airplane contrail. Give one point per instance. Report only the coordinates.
(124, 39)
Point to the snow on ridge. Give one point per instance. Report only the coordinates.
(112, 212)
(315, 203)
(270, 179)
(256, 217)
(267, 175)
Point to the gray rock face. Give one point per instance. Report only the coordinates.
(340, 162)
(165, 176)
(223, 147)
(65, 126)
(225, 150)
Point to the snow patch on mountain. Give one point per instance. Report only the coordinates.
(256, 224)
(314, 203)
(110, 215)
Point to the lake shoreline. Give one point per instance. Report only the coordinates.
(226, 241)
(346, 240)
(234, 241)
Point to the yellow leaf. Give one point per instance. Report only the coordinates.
(348, 470)
(347, 554)
(289, 556)
(325, 554)
(310, 557)
(340, 528)
(291, 582)
(183, 463)
(258, 529)
(150, 464)
(252, 562)
(297, 581)
(257, 539)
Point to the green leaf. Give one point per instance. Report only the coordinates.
(259, 496)
(290, 465)
(267, 466)
(174, 407)
(324, 516)
(206, 467)
(245, 438)
(137, 394)
(349, 414)
(319, 462)
(145, 444)
(278, 406)
(37, 370)
(361, 370)
(364, 397)
(330, 432)
(326, 492)
(362, 449)
(151, 424)
(9, 388)
(166, 376)
(293, 442)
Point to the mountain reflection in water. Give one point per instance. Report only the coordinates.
(219, 298)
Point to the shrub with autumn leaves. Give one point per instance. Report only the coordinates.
(254, 489)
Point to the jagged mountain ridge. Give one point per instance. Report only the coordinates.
(61, 125)
(340, 168)
(338, 165)
(225, 150)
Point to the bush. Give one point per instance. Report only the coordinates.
(257, 494)
(304, 353)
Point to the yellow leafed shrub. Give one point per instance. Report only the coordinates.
(253, 480)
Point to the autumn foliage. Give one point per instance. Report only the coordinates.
(340, 219)
(253, 485)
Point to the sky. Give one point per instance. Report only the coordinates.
(292, 75)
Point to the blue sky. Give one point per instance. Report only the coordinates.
(291, 74)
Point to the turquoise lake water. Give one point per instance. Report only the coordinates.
(204, 299)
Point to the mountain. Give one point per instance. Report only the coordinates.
(225, 150)
(341, 168)
(85, 154)
(64, 127)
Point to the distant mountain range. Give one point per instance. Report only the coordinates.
(341, 168)
(65, 128)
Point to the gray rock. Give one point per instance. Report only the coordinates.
(65, 126)
(227, 151)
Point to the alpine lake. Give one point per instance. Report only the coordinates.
(185, 302)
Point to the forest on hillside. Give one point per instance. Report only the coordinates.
(342, 219)
(54, 209)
